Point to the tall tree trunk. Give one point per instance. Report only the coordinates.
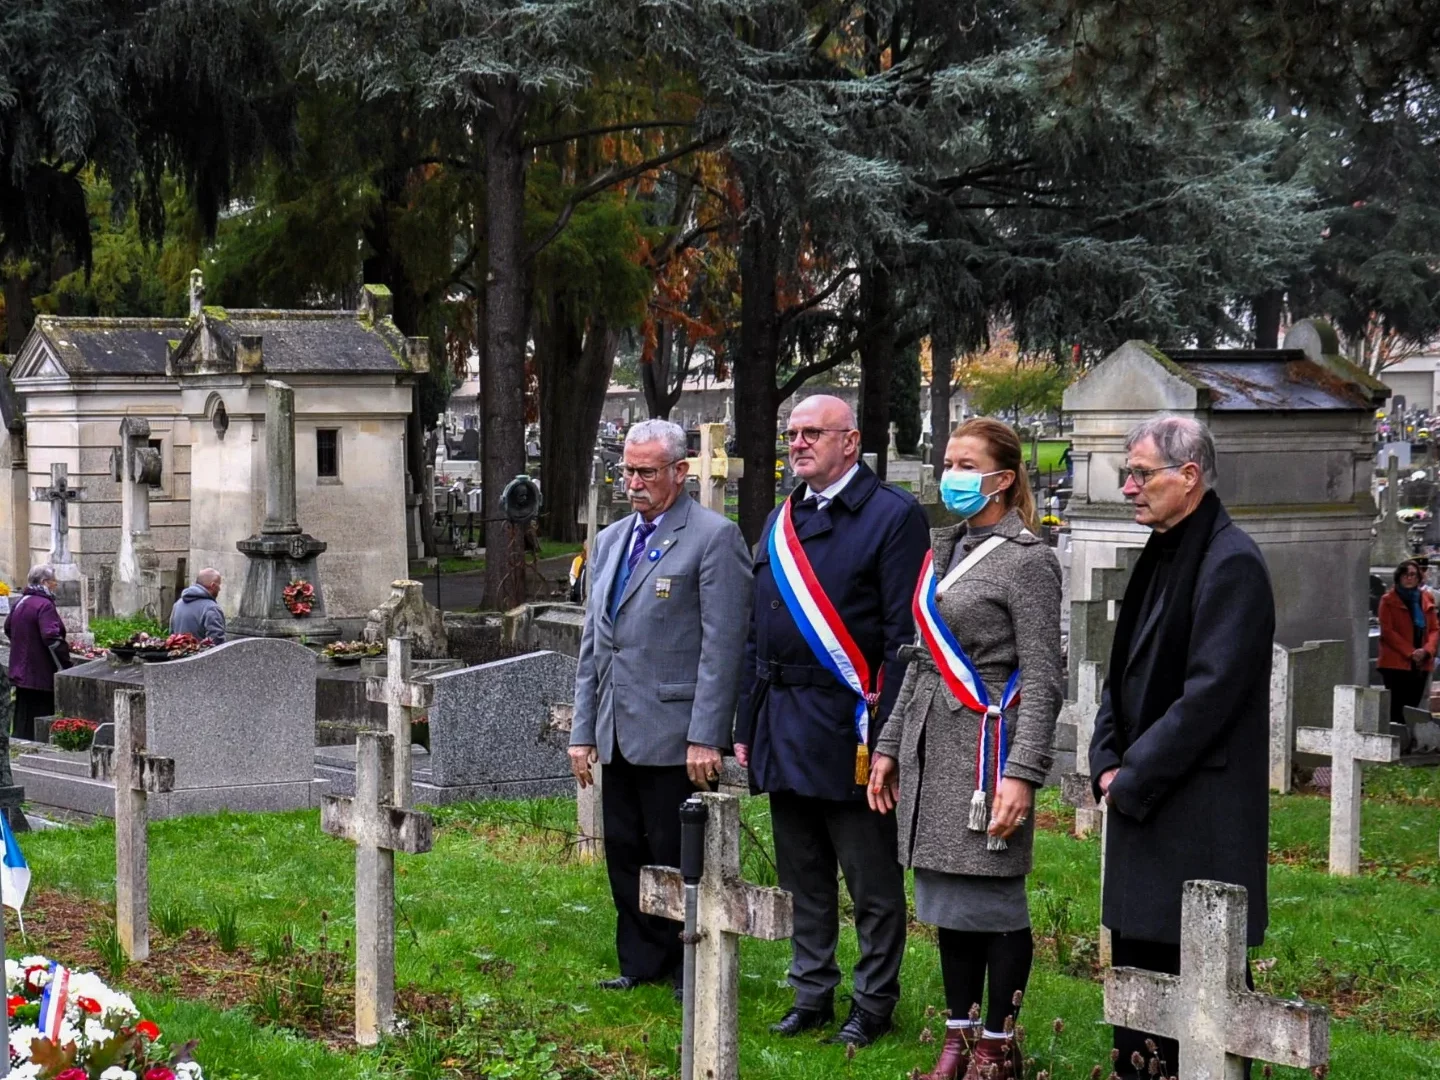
(19, 311)
(942, 374)
(1268, 308)
(757, 401)
(877, 360)
(506, 329)
(655, 376)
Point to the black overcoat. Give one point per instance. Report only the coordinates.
(1191, 800)
(798, 719)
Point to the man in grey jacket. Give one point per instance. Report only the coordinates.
(660, 661)
(196, 612)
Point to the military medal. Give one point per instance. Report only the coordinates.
(662, 588)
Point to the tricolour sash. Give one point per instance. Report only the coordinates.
(823, 630)
(959, 674)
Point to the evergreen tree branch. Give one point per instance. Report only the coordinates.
(795, 310)
(609, 129)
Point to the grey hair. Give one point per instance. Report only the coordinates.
(40, 574)
(1181, 440)
(661, 431)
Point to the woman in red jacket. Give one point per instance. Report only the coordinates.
(1409, 635)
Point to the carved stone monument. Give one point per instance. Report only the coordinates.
(135, 466)
(72, 597)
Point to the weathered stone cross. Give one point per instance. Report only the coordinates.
(136, 774)
(1075, 787)
(378, 828)
(403, 698)
(1302, 687)
(1360, 715)
(588, 800)
(728, 907)
(135, 465)
(714, 467)
(60, 494)
(1217, 1021)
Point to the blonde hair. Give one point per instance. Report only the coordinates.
(1004, 446)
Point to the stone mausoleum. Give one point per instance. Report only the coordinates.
(200, 382)
(1293, 431)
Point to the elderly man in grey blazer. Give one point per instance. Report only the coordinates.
(659, 675)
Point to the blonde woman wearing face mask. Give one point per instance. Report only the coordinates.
(969, 740)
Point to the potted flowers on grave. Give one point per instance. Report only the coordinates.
(420, 730)
(299, 597)
(72, 733)
(79, 650)
(351, 652)
(68, 1025)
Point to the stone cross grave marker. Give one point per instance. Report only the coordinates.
(378, 828)
(71, 598)
(135, 465)
(135, 774)
(1302, 691)
(1076, 786)
(1391, 542)
(1217, 1021)
(728, 907)
(403, 698)
(1361, 715)
(714, 467)
(590, 844)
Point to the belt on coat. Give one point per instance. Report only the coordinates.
(778, 674)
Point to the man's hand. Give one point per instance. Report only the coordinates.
(884, 789)
(742, 755)
(581, 758)
(1011, 809)
(703, 765)
(1105, 778)
(1419, 656)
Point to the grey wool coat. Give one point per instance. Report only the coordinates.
(1004, 611)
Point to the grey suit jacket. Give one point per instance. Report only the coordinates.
(665, 672)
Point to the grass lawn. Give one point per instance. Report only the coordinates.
(1048, 454)
(501, 920)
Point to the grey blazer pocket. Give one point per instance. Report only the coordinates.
(675, 691)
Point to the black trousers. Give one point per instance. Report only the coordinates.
(1151, 956)
(1406, 688)
(812, 838)
(28, 705)
(640, 805)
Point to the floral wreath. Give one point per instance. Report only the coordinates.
(299, 597)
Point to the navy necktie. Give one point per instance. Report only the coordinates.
(642, 533)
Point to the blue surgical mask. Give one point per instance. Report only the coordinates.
(961, 494)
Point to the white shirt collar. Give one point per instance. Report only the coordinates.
(826, 497)
(638, 520)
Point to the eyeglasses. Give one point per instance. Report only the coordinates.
(1142, 476)
(810, 435)
(647, 473)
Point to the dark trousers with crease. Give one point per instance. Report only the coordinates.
(1151, 956)
(640, 805)
(812, 838)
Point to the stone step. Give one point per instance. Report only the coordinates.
(60, 762)
(95, 797)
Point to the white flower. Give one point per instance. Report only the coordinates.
(97, 1032)
(21, 1038)
(115, 1072)
(28, 1071)
(188, 1070)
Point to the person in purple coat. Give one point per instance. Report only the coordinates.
(37, 649)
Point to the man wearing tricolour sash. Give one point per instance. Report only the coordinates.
(835, 570)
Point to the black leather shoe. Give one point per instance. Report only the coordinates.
(861, 1028)
(798, 1020)
(620, 982)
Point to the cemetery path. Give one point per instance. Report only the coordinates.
(465, 591)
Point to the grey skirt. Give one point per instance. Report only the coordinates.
(969, 902)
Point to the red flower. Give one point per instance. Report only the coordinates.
(148, 1029)
(32, 971)
(14, 1002)
(159, 1072)
(89, 1005)
(73, 1074)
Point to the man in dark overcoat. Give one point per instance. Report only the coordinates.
(1180, 749)
(796, 725)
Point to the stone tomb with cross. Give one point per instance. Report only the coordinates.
(73, 595)
(136, 774)
(713, 468)
(135, 465)
(728, 909)
(1358, 734)
(1207, 1008)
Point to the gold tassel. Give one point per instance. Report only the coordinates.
(978, 811)
(862, 764)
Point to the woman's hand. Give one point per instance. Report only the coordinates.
(1013, 803)
(884, 789)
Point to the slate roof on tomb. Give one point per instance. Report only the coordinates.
(86, 346)
(1271, 379)
(303, 341)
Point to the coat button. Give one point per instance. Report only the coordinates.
(774, 604)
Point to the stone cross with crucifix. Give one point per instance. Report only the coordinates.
(1358, 733)
(713, 467)
(728, 908)
(403, 699)
(1207, 1008)
(135, 465)
(378, 828)
(136, 774)
(60, 494)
